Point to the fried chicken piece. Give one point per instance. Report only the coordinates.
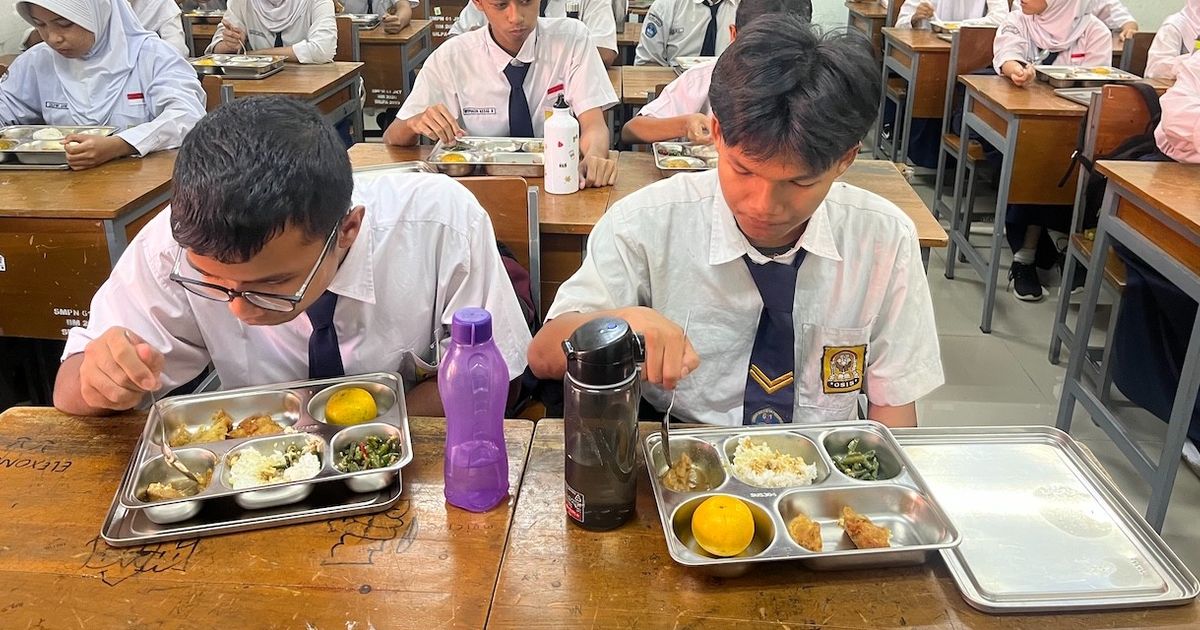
(864, 533)
(256, 426)
(806, 532)
(684, 476)
(157, 491)
(215, 431)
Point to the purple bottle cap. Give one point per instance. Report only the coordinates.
(471, 326)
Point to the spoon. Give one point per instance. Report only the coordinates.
(666, 440)
(168, 454)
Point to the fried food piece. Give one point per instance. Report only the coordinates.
(177, 489)
(684, 476)
(215, 431)
(806, 532)
(864, 533)
(256, 426)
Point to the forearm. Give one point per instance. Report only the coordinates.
(607, 56)
(285, 51)
(652, 129)
(893, 417)
(400, 134)
(424, 400)
(546, 357)
(594, 138)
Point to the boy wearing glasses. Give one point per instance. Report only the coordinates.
(275, 264)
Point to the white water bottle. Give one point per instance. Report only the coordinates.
(562, 150)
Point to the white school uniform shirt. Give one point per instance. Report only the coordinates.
(687, 94)
(377, 7)
(164, 18)
(313, 37)
(675, 246)
(162, 100)
(1093, 47)
(965, 12)
(426, 249)
(1113, 13)
(1178, 135)
(1173, 45)
(13, 30)
(597, 15)
(675, 28)
(466, 74)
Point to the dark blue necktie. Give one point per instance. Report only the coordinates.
(324, 356)
(520, 122)
(770, 390)
(709, 48)
(279, 39)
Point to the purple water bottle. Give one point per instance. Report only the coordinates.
(473, 382)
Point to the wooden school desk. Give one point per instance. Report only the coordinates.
(557, 575)
(61, 232)
(627, 42)
(1152, 209)
(419, 564)
(331, 87)
(638, 81)
(636, 170)
(390, 61)
(1035, 132)
(868, 18)
(920, 59)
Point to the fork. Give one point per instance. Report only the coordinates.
(169, 455)
(666, 439)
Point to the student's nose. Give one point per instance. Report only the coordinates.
(762, 199)
(515, 18)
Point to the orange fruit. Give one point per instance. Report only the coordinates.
(353, 405)
(723, 525)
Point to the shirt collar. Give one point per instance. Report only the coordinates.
(728, 243)
(355, 278)
(500, 58)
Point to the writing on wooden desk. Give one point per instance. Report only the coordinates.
(9, 460)
(362, 538)
(114, 565)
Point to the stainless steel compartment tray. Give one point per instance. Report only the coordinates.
(1045, 529)
(499, 156)
(239, 66)
(1081, 96)
(701, 157)
(1072, 76)
(900, 502)
(292, 410)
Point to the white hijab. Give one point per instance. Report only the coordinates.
(278, 15)
(958, 10)
(1059, 26)
(153, 14)
(95, 83)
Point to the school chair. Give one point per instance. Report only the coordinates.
(1137, 52)
(893, 11)
(895, 91)
(347, 40)
(216, 91)
(970, 50)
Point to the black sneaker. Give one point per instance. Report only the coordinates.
(1025, 284)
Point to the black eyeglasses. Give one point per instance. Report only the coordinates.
(268, 301)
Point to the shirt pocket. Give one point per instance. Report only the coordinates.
(832, 367)
(555, 88)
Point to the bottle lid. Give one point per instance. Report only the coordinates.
(561, 103)
(471, 326)
(604, 351)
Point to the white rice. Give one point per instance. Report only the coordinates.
(252, 469)
(760, 465)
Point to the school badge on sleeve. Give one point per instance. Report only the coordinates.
(842, 368)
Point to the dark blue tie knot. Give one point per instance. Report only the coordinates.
(324, 354)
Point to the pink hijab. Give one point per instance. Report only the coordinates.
(1057, 28)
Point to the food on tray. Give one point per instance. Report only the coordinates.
(806, 532)
(723, 525)
(7, 144)
(864, 533)
(762, 466)
(670, 148)
(499, 146)
(352, 405)
(681, 162)
(534, 146)
(207, 61)
(684, 475)
(452, 157)
(373, 452)
(1101, 70)
(221, 427)
(180, 489)
(50, 133)
(857, 464)
(249, 468)
(703, 151)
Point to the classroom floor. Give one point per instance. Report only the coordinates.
(1005, 378)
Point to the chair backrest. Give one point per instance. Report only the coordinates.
(894, 10)
(1137, 52)
(970, 50)
(512, 206)
(1117, 114)
(347, 40)
(216, 91)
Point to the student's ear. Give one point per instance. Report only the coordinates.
(715, 127)
(351, 224)
(843, 163)
(732, 33)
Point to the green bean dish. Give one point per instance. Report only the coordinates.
(857, 464)
(373, 452)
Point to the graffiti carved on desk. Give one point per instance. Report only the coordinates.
(360, 538)
(117, 565)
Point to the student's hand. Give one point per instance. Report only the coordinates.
(437, 123)
(90, 151)
(338, 7)
(597, 172)
(118, 369)
(391, 24)
(669, 354)
(1127, 31)
(233, 39)
(698, 131)
(1018, 73)
(924, 12)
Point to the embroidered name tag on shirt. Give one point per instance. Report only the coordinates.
(55, 105)
(479, 111)
(841, 368)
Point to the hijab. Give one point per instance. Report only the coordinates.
(278, 15)
(1191, 15)
(1059, 26)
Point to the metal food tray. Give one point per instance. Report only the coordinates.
(1045, 528)
(411, 166)
(240, 66)
(299, 405)
(938, 26)
(205, 13)
(901, 501)
(664, 151)
(41, 154)
(683, 64)
(1072, 76)
(364, 21)
(518, 157)
(1082, 96)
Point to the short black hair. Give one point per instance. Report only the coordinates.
(785, 87)
(749, 10)
(252, 168)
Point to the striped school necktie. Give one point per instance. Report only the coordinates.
(770, 384)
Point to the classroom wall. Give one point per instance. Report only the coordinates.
(1149, 13)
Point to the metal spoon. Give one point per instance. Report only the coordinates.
(666, 440)
(168, 454)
